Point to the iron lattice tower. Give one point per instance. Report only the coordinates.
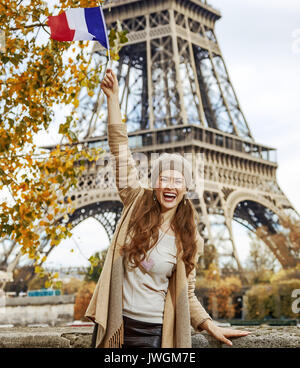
(177, 96)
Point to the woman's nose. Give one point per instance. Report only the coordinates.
(169, 183)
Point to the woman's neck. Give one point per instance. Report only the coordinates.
(167, 215)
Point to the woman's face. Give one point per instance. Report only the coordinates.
(170, 189)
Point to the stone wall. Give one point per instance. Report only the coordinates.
(51, 310)
(80, 337)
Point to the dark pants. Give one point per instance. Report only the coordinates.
(139, 334)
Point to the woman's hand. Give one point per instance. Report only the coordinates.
(221, 333)
(110, 84)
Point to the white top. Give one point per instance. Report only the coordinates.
(144, 292)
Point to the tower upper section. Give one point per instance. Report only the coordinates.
(171, 72)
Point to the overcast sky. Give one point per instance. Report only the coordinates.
(260, 42)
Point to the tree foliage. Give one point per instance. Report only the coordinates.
(35, 77)
(82, 299)
(72, 286)
(21, 280)
(220, 291)
(95, 269)
(274, 299)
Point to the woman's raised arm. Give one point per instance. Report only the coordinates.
(127, 181)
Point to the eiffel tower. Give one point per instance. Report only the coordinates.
(177, 96)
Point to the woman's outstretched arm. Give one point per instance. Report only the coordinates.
(127, 181)
(200, 319)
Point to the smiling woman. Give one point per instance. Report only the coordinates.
(145, 294)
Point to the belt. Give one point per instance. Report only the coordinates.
(139, 334)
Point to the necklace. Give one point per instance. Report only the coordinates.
(148, 262)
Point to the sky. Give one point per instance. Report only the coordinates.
(260, 42)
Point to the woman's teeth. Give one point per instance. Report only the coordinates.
(169, 197)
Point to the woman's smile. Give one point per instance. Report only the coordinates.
(169, 196)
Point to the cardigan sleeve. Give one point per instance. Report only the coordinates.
(197, 312)
(126, 175)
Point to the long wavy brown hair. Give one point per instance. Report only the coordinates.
(144, 227)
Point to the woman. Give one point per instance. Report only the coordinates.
(145, 294)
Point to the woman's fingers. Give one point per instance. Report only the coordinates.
(111, 75)
(222, 334)
(108, 77)
(230, 332)
(221, 337)
(107, 82)
(104, 84)
(227, 342)
(110, 71)
(104, 89)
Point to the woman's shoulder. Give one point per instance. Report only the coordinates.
(145, 192)
(129, 194)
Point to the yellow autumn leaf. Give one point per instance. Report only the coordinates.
(50, 217)
(37, 269)
(76, 102)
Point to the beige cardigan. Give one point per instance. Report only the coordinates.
(182, 308)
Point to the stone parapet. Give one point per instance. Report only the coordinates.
(39, 300)
(80, 337)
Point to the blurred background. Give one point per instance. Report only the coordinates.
(260, 43)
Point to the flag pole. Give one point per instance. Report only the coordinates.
(109, 59)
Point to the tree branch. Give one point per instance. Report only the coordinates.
(31, 26)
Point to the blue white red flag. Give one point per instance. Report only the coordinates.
(79, 24)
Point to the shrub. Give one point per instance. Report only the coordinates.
(72, 286)
(82, 300)
(272, 300)
(219, 290)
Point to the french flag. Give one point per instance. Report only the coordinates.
(77, 24)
